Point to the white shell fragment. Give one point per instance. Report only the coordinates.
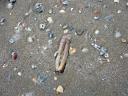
(50, 20)
(9, 5)
(62, 11)
(30, 39)
(116, 1)
(19, 73)
(60, 89)
(117, 35)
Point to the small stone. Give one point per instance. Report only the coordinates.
(117, 35)
(97, 31)
(55, 78)
(96, 14)
(72, 9)
(12, 1)
(42, 26)
(34, 66)
(66, 31)
(14, 55)
(45, 47)
(10, 6)
(30, 39)
(50, 20)
(126, 55)
(29, 94)
(119, 11)
(96, 17)
(72, 51)
(116, 1)
(2, 20)
(19, 73)
(127, 4)
(48, 30)
(65, 26)
(65, 2)
(50, 34)
(28, 29)
(39, 8)
(108, 18)
(62, 11)
(50, 11)
(84, 50)
(80, 11)
(60, 89)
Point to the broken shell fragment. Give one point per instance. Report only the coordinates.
(60, 89)
(72, 51)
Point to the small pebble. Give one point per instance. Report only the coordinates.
(14, 55)
(30, 39)
(72, 51)
(126, 55)
(97, 31)
(62, 11)
(80, 11)
(72, 9)
(50, 11)
(127, 4)
(117, 35)
(116, 1)
(42, 26)
(28, 29)
(39, 8)
(50, 20)
(12, 1)
(10, 5)
(119, 11)
(55, 78)
(19, 73)
(66, 31)
(34, 66)
(84, 50)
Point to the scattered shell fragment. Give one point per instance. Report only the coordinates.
(62, 11)
(42, 26)
(10, 5)
(50, 11)
(72, 51)
(127, 4)
(39, 8)
(117, 34)
(126, 55)
(72, 9)
(66, 31)
(116, 1)
(19, 73)
(55, 78)
(50, 20)
(119, 11)
(60, 89)
(123, 40)
(30, 39)
(28, 29)
(97, 31)
(84, 50)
